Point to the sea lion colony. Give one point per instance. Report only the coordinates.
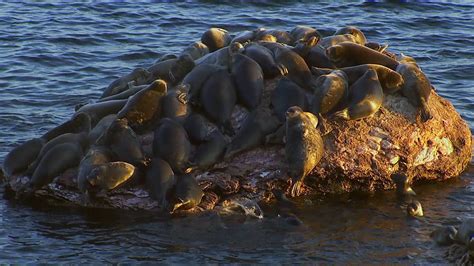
(183, 105)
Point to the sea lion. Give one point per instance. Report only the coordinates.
(216, 38)
(123, 142)
(248, 80)
(18, 159)
(143, 109)
(100, 127)
(304, 33)
(131, 90)
(390, 80)
(174, 104)
(139, 75)
(329, 41)
(417, 88)
(218, 98)
(287, 94)
(196, 78)
(348, 54)
(80, 122)
(209, 152)
(329, 91)
(354, 31)
(97, 155)
(304, 147)
(414, 209)
(196, 50)
(160, 180)
(221, 57)
(402, 184)
(256, 126)
(188, 194)
(264, 57)
(105, 177)
(444, 236)
(303, 47)
(197, 127)
(365, 97)
(183, 65)
(97, 111)
(54, 162)
(171, 143)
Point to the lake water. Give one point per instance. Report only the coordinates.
(54, 56)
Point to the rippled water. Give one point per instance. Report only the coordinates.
(53, 56)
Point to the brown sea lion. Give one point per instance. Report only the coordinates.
(264, 57)
(348, 54)
(329, 91)
(216, 38)
(248, 80)
(97, 155)
(187, 194)
(160, 180)
(105, 177)
(417, 88)
(139, 75)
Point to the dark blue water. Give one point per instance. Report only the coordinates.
(54, 56)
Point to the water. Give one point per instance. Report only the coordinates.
(53, 56)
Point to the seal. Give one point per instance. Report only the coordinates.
(285, 95)
(18, 159)
(354, 31)
(365, 97)
(131, 90)
(329, 91)
(106, 177)
(218, 98)
(256, 126)
(174, 104)
(221, 57)
(188, 194)
(172, 145)
(414, 209)
(347, 54)
(100, 127)
(80, 122)
(197, 127)
(123, 142)
(265, 60)
(417, 88)
(96, 111)
(216, 38)
(248, 79)
(143, 109)
(301, 32)
(179, 69)
(402, 184)
(139, 75)
(196, 79)
(196, 50)
(329, 41)
(304, 147)
(209, 152)
(97, 155)
(160, 180)
(390, 80)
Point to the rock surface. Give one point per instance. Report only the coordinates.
(359, 156)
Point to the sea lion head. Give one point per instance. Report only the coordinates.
(414, 209)
(293, 112)
(159, 86)
(354, 31)
(335, 53)
(183, 65)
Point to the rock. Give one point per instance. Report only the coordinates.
(359, 156)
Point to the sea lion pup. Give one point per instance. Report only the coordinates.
(171, 143)
(348, 54)
(80, 122)
(365, 97)
(123, 142)
(248, 80)
(287, 94)
(445, 235)
(131, 90)
(221, 57)
(196, 79)
(264, 57)
(329, 41)
(174, 104)
(218, 98)
(417, 88)
(143, 109)
(79, 138)
(18, 159)
(209, 152)
(196, 50)
(257, 125)
(354, 31)
(187, 193)
(303, 149)
(414, 209)
(390, 80)
(304, 33)
(216, 38)
(329, 91)
(160, 180)
(281, 36)
(139, 75)
(96, 111)
(100, 127)
(297, 68)
(197, 127)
